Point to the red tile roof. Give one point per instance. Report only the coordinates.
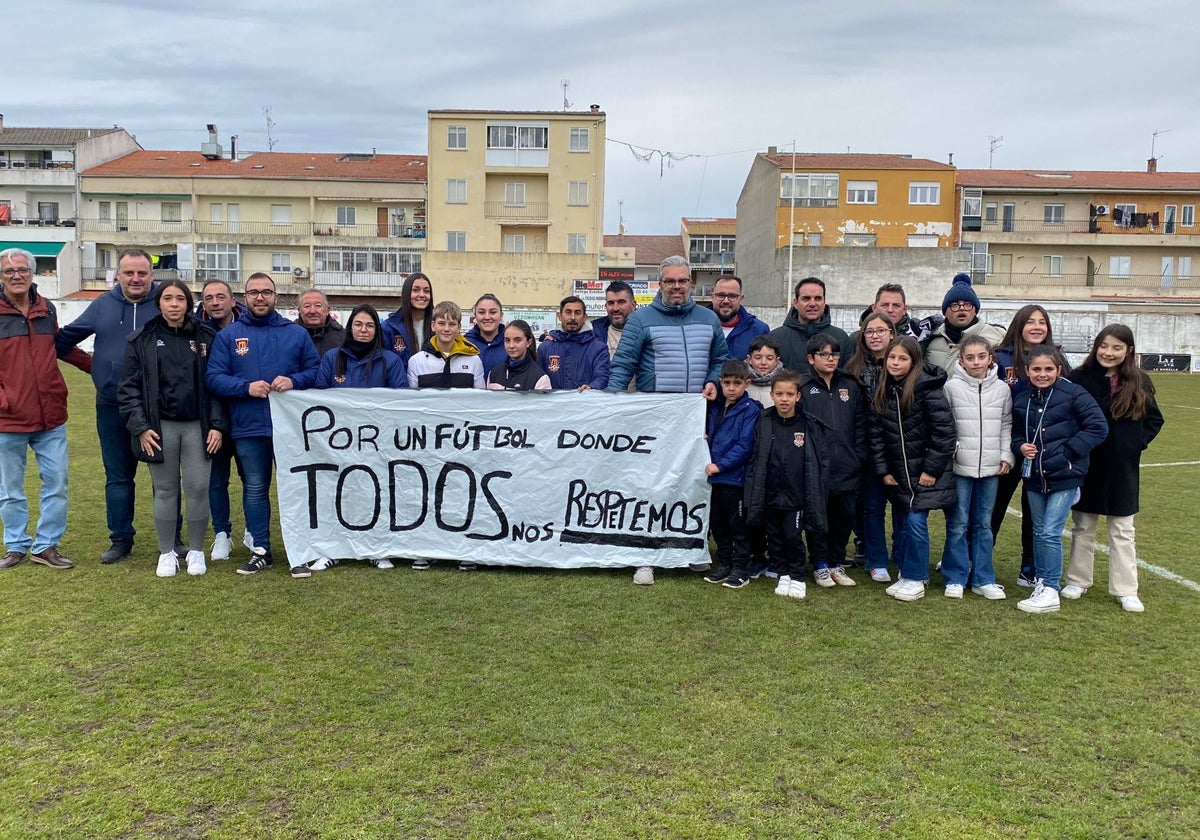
(806, 161)
(650, 250)
(277, 165)
(1073, 180)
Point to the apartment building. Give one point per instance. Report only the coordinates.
(39, 193)
(349, 224)
(516, 203)
(1082, 234)
(710, 246)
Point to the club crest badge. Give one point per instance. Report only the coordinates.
(555, 364)
(192, 344)
(341, 380)
(241, 346)
(204, 349)
(398, 343)
(798, 439)
(844, 394)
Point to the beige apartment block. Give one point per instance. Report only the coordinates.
(352, 225)
(516, 203)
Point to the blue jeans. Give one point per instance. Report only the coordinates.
(875, 502)
(258, 460)
(976, 498)
(218, 488)
(120, 469)
(1049, 517)
(50, 449)
(912, 555)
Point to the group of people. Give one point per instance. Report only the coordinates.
(812, 432)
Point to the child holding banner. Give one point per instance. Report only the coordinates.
(730, 432)
(362, 361)
(785, 490)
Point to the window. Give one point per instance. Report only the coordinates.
(532, 137)
(502, 137)
(1052, 266)
(514, 194)
(456, 137)
(922, 240)
(810, 190)
(1187, 215)
(456, 191)
(1169, 218)
(577, 193)
(861, 192)
(216, 212)
(456, 240)
(347, 216)
(1122, 214)
(580, 139)
(281, 214)
(172, 211)
(514, 243)
(108, 257)
(1053, 214)
(217, 261)
(517, 137)
(48, 211)
(1185, 269)
(281, 262)
(577, 243)
(1118, 266)
(105, 209)
(813, 240)
(921, 192)
(860, 240)
(989, 212)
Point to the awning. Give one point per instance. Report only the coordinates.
(38, 249)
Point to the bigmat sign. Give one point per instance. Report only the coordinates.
(560, 479)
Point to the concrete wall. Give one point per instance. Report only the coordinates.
(756, 207)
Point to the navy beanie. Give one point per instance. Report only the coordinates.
(960, 290)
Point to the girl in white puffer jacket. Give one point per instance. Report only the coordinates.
(982, 406)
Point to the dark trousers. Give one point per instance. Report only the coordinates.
(840, 514)
(786, 536)
(727, 523)
(1004, 493)
(120, 469)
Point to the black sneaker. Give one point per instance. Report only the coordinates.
(117, 552)
(736, 580)
(718, 574)
(1026, 580)
(466, 565)
(256, 564)
(301, 571)
(860, 551)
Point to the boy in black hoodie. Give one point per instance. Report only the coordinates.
(785, 489)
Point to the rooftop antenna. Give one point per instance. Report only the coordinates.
(621, 217)
(1154, 137)
(271, 141)
(994, 143)
(565, 83)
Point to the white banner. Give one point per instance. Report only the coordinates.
(560, 479)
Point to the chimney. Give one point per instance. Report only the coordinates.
(1, 123)
(233, 147)
(1152, 165)
(950, 161)
(595, 109)
(772, 150)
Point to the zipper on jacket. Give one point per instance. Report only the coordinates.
(912, 493)
(979, 470)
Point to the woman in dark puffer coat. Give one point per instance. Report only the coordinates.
(912, 447)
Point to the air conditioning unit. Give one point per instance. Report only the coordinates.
(300, 272)
(1101, 209)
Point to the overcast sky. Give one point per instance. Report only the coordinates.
(1067, 84)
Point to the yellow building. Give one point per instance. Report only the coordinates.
(351, 224)
(1082, 234)
(516, 203)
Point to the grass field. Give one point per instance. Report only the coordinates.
(362, 703)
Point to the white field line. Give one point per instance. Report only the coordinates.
(1189, 407)
(1173, 464)
(1149, 567)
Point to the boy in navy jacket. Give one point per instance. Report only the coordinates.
(730, 431)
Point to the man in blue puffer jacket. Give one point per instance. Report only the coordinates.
(574, 358)
(672, 345)
(259, 353)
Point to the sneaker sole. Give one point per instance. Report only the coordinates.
(999, 597)
(1035, 610)
(907, 597)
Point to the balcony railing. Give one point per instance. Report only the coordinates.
(41, 164)
(528, 211)
(1101, 224)
(39, 222)
(297, 229)
(1098, 281)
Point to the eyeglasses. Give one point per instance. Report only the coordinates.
(683, 282)
(725, 296)
(825, 354)
(880, 331)
(16, 272)
(260, 293)
(961, 304)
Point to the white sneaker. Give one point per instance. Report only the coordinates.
(382, 563)
(954, 590)
(1131, 603)
(908, 590)
(323, 564)
(891, 590)
(195, 563)
(797, 589)
(1071, 591)
(168, 564)
(784, 585)
(991, 591)
(880, 576)
(644, 576)
(1043, 600)
(840, 577)
(222, 546)
(823, 578)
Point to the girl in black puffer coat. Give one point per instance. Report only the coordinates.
(912, 447)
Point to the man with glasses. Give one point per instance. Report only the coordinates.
(111, 318)
(261, 352)
(33, 415)
(961, 308)
(740, 326)
(673, 345)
